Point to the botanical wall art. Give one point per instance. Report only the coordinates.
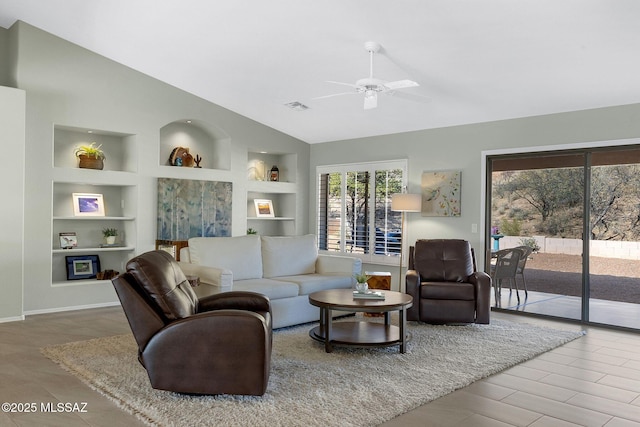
(441, 193)
(191, 208)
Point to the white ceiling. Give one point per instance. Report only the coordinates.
(475, 60)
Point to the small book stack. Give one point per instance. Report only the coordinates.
(377, 295)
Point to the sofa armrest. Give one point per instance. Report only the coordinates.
(185, 254)
(338, 264)
(219, 277)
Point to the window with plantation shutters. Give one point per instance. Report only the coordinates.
(354, 209)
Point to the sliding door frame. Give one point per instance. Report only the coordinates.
(576, 148)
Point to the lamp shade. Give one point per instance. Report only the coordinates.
(404, 202)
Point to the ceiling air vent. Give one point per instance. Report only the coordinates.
(298, 106)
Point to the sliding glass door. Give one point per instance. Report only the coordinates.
(614, 232)
(537, 201)
(552, 202)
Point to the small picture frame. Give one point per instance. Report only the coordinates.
(82, 267)
(88, 204)
(264, 208)
(68, 240)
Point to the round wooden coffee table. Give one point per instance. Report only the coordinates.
(360, 333)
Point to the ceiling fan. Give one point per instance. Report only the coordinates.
(371, 86)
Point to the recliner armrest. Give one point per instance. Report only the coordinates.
(208, 345)
(235, 300)
(480, 278)
(412, 287)
(482, 283)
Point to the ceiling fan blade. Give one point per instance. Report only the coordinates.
(344, 84)
(371, 101)
(335, 94)
(400, 84)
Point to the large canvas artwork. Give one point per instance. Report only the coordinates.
(441, 193)
(190, 208)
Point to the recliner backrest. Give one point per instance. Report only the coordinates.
(443, 260)
(143, 315)
(160, 276)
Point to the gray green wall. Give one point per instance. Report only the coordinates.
(461, 147)
(4, 53)
(12, 124)
(69, 85)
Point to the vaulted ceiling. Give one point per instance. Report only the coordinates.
(475, 60)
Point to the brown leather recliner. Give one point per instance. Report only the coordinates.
(220, 344)
(444, 283)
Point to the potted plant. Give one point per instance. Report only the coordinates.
(361, 282)
(110, 235)
(91, 157)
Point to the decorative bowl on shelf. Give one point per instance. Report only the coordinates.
(180, 157)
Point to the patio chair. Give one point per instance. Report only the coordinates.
(505, 268)
(526, 251)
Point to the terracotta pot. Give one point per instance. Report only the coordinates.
(90, 162)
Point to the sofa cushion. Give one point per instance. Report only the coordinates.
(239, 254)
(288, 256)
(310, 283)
(273, 289)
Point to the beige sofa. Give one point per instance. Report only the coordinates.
(286, 269)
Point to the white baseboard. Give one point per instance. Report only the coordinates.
(12, 319)
(73, 308)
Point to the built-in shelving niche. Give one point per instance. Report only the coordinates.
(119, 148)
(201, 138)
(282, 193)
(117, 182)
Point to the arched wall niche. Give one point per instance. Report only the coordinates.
(204, 139)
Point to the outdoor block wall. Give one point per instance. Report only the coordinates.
(599, 248)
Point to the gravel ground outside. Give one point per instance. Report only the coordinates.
(611, 279)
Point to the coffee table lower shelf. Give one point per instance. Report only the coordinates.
(359, 334)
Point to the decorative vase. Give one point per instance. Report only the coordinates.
(90, 162)
(110, 240)
(362, 287)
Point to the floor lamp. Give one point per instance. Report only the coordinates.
(403, 202)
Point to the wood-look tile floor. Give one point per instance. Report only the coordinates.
(592, 381)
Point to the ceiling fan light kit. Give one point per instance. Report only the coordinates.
(371, 86)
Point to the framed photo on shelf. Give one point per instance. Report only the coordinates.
(82, 267)
(88, 204)
(68, 240)
(264, 208)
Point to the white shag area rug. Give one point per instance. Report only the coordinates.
(308, 387)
